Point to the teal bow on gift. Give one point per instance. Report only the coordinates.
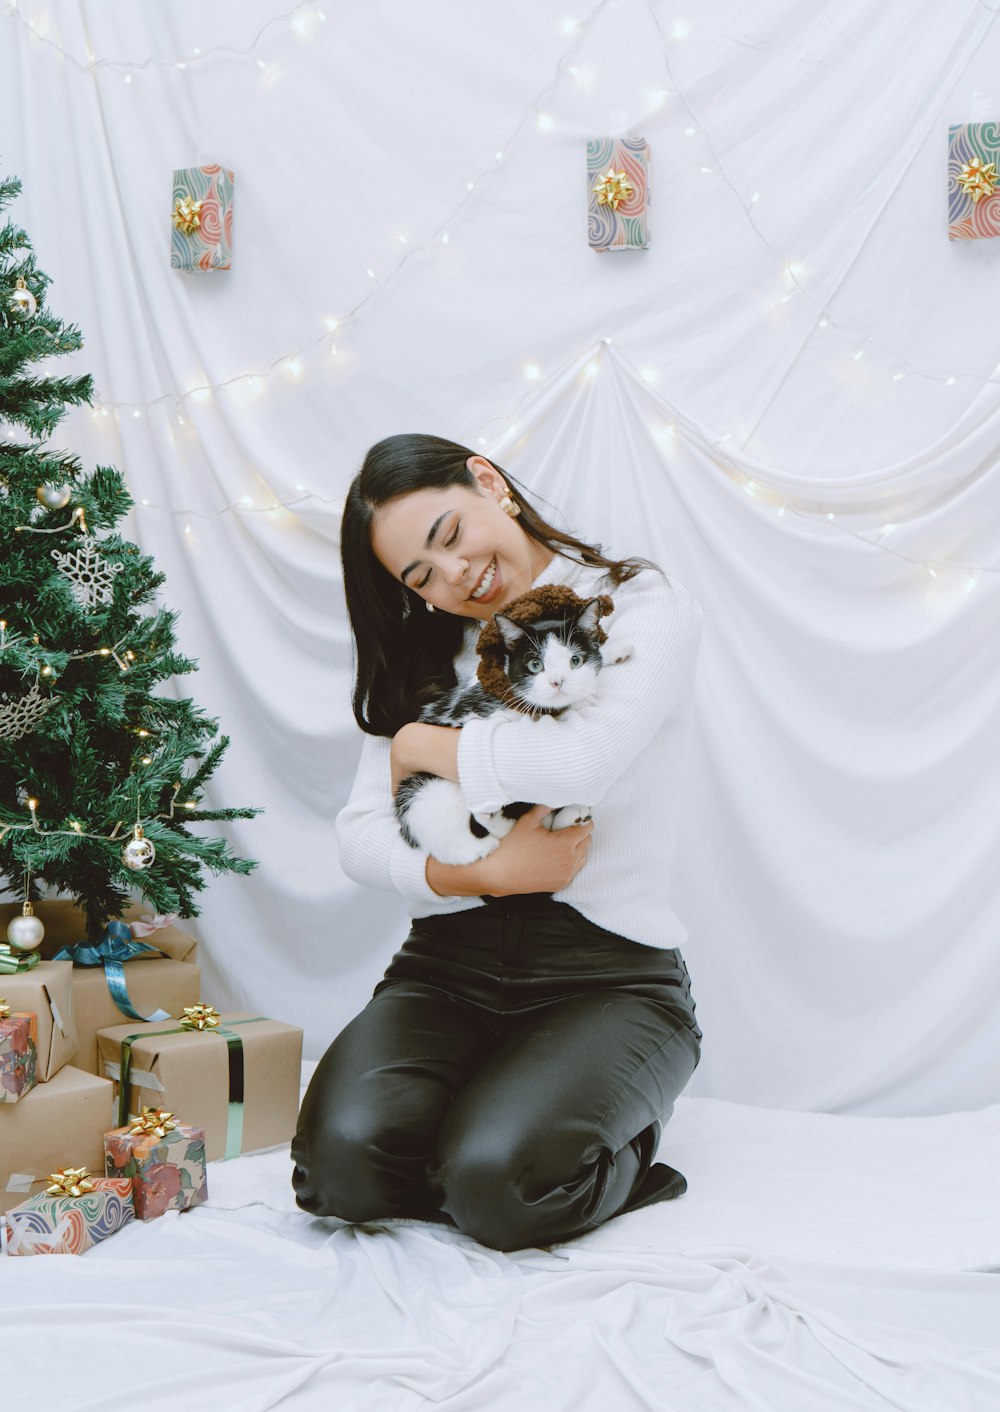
(115, 947)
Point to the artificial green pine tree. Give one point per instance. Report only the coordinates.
(88, 749)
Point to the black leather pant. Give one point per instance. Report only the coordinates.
(509, 1076)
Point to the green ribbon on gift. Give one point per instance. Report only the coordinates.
(13, 962)
(234, 1042)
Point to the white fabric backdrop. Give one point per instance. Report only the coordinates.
(800, 360)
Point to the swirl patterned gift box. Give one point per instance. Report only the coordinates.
(85, 1210)
(973, 194)
(202, 219)
(618, 190)
(18, 1053)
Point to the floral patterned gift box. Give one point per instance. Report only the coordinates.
(164, 1159)
(18, 1053)
(73, 1214)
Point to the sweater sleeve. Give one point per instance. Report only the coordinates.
(576, 760)
(372, 849)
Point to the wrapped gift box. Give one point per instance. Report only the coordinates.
(18, 1054)
(617, 168)
(59, 1122)
(245, 1095)
(167, 982)
(202, 219)
(166, 1167)
(973, 187)
(69, 1225)
(47, 992)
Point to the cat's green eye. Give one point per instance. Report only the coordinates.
(534, 665)
(576, 660)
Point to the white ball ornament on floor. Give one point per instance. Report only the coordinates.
(52, 496)
(23, 305)
(138, 854)
(25, 932)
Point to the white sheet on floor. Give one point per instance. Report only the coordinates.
(816, 1262)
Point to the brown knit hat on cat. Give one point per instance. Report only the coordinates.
(551, 600)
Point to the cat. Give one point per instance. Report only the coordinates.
(552, 666)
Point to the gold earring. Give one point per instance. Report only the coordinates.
(430, 607)
(510, 506)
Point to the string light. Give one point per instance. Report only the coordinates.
(298, 15)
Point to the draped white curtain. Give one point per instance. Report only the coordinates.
(791, 399)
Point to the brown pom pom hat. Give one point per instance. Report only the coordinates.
(551, 600)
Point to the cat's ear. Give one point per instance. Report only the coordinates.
(590, 615)
(508, 629)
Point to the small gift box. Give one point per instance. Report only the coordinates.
(70, 1113)
(164, 1159)
(46, 991)
(202, 216)
(72, 1214)
(973, 191)
(617, 196)
(234, 1075)
(18, 1053)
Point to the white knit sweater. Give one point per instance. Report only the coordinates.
(624, 755)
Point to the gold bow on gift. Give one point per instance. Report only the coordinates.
(978, 178)
(612, 187)
(187, 215)
(70, 1181)
(4, 1010)
(199, 1017)
(152, 1120)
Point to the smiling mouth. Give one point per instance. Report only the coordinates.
(486, 581)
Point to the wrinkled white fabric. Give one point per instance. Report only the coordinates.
(800, 1284)
(799, 342)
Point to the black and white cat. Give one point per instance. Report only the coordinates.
(552, 666)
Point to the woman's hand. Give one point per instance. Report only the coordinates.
(534, 859)
(418, 746)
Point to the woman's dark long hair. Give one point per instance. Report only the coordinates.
(400, 648)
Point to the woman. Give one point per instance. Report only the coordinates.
(512, 1070)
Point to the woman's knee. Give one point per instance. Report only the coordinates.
(335, 1151)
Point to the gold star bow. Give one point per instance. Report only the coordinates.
(187, 215)
(152, 1120)
(4, 1010)
(69, 1181)
(199, 1017)
(612, 187)
(978, 178)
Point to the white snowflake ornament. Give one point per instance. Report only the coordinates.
(20, 717)
(90, 577)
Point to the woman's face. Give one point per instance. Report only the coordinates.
(443, 544)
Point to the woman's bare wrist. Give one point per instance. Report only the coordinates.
(459, 879)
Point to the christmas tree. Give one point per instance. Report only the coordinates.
(100, 776)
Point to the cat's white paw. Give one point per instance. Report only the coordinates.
(614, 653)
(498, 824)
(569, 815)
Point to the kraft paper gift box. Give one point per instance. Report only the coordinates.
(18, 1054)
(46, 991)
(973, 189)
(617, 193)
(60, 1123)
(69, 1225)
(165, 1163)
(169, 989)
(202, 219)
(241, 1087)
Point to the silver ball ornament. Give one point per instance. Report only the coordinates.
(23, 304)
(25, 932)
(52, 496)
(139, 853)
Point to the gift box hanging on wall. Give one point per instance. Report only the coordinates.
(202, 219)
(73, 1213)
(617, 193)
(974, 181)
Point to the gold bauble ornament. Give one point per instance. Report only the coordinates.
(139, 853)
(23, 304)
(52, 496)
(26, 931)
